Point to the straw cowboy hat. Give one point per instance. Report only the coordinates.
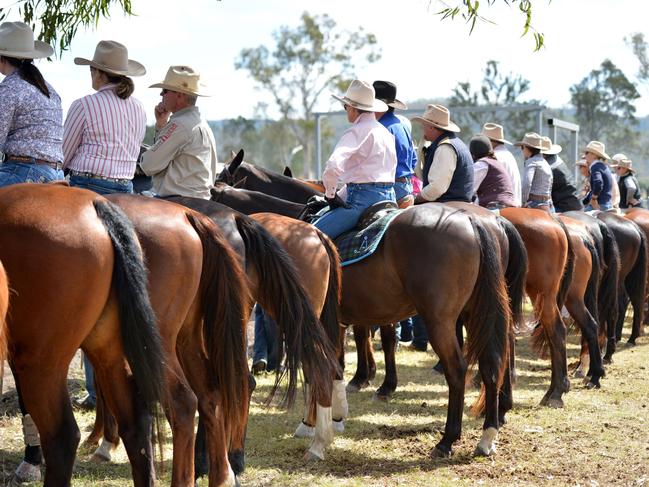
(495, 132)
(17, 41)
(533, 140)
(112, 58)
(437, 116)
(597, 148)
(183, 79)
(549, 148)
(387, 92)
(361, 95)
(620, 160)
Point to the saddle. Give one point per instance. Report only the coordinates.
(374, 212)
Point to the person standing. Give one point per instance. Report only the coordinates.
(31, 118)
(182, 160)
(628, 185)
(564, 191)
(601, 179)
(492, 183)
(496, 135)
(537, 176)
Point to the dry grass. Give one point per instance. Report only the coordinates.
(601, 437)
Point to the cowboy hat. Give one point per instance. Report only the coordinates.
(582, 163)
(182, 79)
(620, 160)
(597, 148)
(387, 92)
(17, 41)
(549, 148)
(533, 140)
(495, 132)
(437, 116)
(112, 58)
(360, 94)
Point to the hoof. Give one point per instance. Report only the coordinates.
(338, 426)
(480, 452)
(607, 360)
(381, 397)
(630, 343)
(304, 431)
(353, 387)
(97, 458)
(578, 373)
(25, 473)
(309, 456)
(437, 453)
(555, 403)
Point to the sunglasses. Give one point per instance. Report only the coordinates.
(165, 91)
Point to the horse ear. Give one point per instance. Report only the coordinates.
(287, 172)
(241, 183)
(236, 162)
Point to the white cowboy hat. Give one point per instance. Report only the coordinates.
(112, 57)
(620, 160)
(17, 41)
(182, 79)
(597, 148)
(360, 94)
(437, 116)
(549, 148)
(495, 132)
(532, 139)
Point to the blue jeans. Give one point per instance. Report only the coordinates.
(405, 330)
(101, 186)
(602, 207)
(265, 346)
(540, 205)
(90, 379)
(14, 172)
(359, 197)
(401, 190)
(419, 333)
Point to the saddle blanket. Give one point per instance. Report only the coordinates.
(357, 245)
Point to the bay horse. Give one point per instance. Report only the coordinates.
(76, 266)
(391, 285)
(4, 304)
(641, 218)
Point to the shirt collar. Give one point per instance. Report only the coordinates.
(109, 86)
(183, 111)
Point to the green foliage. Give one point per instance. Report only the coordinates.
(57, 21)
(307, 60)
(639, 46)
(604, 103)
(469, 11)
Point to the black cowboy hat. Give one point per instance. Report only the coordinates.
(387, 92)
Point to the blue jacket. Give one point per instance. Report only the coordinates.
(601, 183)
(406, 155)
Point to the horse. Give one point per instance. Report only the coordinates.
(641, 218)
(4, 304)
(76, 267)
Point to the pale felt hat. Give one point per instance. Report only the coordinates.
(112, 58)
(532, 139)
(597, 148)
(17, 41)
(437, 116)
(581, 162)
(182, 79)
(495, 132)
(549, 148)
(620, 160)
(361, 95)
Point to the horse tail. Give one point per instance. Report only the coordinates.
(282, 295)
(566, 278)
(139, 329)
(636, 279)
(225, 306)
(4, 304)
(516, 271)
(329, 316)
(489, 319)
(591, 297)
(608, 290)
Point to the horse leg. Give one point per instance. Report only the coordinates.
(637, 301)
(361, 378)
(106, 427)
(389, 341)
(555, 331)
(588, 329)
(623, 305)
(506, 395)
(29, 469)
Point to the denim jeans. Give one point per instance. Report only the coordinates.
(14, 172)
(359, 197)
(101, 186)
(540, 205)
(602, 207)
(90, 379)
(401, 190)
(265, 346)
(404, 328)
(419, 333)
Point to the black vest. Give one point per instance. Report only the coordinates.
(564, 192)
(461, 187)
(624, 190)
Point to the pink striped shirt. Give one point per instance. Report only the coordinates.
(102, 134)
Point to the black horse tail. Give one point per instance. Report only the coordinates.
(608, 288)
(4, 304)
(282, 295)
(329, 316)
(516, 271)
(489, 318)
(225, 304)
(138, 325)
(566, 279)
(636, 280)
(591, 298)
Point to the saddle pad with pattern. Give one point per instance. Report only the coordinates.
(356, 244)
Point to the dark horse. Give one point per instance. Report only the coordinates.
(75, 264)
(4, 303)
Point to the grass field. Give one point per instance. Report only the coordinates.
(600, 438)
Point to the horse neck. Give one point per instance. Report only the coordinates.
(275, 184)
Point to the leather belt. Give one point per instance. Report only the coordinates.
(33, 160)
(403, 179)
(539, 198)
(99, 176)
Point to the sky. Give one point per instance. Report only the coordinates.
(425, 56)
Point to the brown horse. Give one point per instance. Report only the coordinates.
(640, 216)
(76, 267)
(4, 303)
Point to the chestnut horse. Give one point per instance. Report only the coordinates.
(641, 218)
(75, 264)
(4, 304)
